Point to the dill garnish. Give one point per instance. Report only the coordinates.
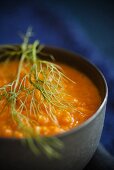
(43, 86)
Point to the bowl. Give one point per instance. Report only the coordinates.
(80, 143)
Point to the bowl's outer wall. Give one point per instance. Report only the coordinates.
(79, 146)
(78, 150)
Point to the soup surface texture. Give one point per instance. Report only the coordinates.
(83, 94)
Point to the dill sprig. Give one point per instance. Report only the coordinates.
(43, 77)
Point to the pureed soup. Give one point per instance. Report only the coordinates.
(46, 99)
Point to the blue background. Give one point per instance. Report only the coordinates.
(86, 27)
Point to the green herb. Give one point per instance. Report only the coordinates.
(44, 77)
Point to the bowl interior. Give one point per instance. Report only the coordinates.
(78, 62)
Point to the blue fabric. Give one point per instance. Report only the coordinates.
(55, 25)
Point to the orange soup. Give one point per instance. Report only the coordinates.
(68, 108)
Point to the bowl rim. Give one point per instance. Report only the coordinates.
(91, 118)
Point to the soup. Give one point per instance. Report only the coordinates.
(74, 98)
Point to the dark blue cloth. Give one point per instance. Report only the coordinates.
(54, 24)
